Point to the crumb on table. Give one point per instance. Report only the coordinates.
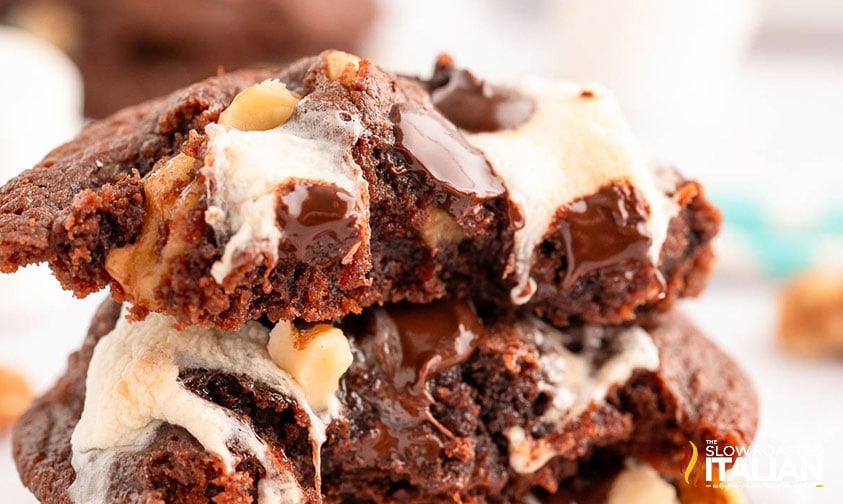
(811, 313)
(15, 396)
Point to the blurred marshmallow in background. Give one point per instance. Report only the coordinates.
(41, 100)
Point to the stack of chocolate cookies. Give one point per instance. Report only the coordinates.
(332, 283)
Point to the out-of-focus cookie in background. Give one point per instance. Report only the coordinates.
(132, 50)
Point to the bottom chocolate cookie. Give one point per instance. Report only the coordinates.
(438, 404)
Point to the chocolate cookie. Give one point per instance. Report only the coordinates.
(133, 50)
(440, 403)
(336, 185)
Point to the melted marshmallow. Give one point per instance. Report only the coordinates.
(571, 146)
(245, 168)
(133, 387)
(573, 381)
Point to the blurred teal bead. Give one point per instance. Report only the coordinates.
(781, 251)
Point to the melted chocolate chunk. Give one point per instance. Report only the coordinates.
(413, 343)
(428, 340)
(318, 216)
(474, 104)
(605, 229)
(427, 143)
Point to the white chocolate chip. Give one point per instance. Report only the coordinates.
(260, 107)
(170, 191)
(441, 228)
(640, 484)
(316, 358)
(341, 62)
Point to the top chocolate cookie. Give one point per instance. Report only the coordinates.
(330, 185)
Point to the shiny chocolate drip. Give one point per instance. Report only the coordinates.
(426, 143)
(474, 104)
(413, 343)
(318, 215)
(604, 229)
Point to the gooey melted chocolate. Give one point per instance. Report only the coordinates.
(604, 229)
(317, 216)
(474, 104)
(412, 343)
(427, 144)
